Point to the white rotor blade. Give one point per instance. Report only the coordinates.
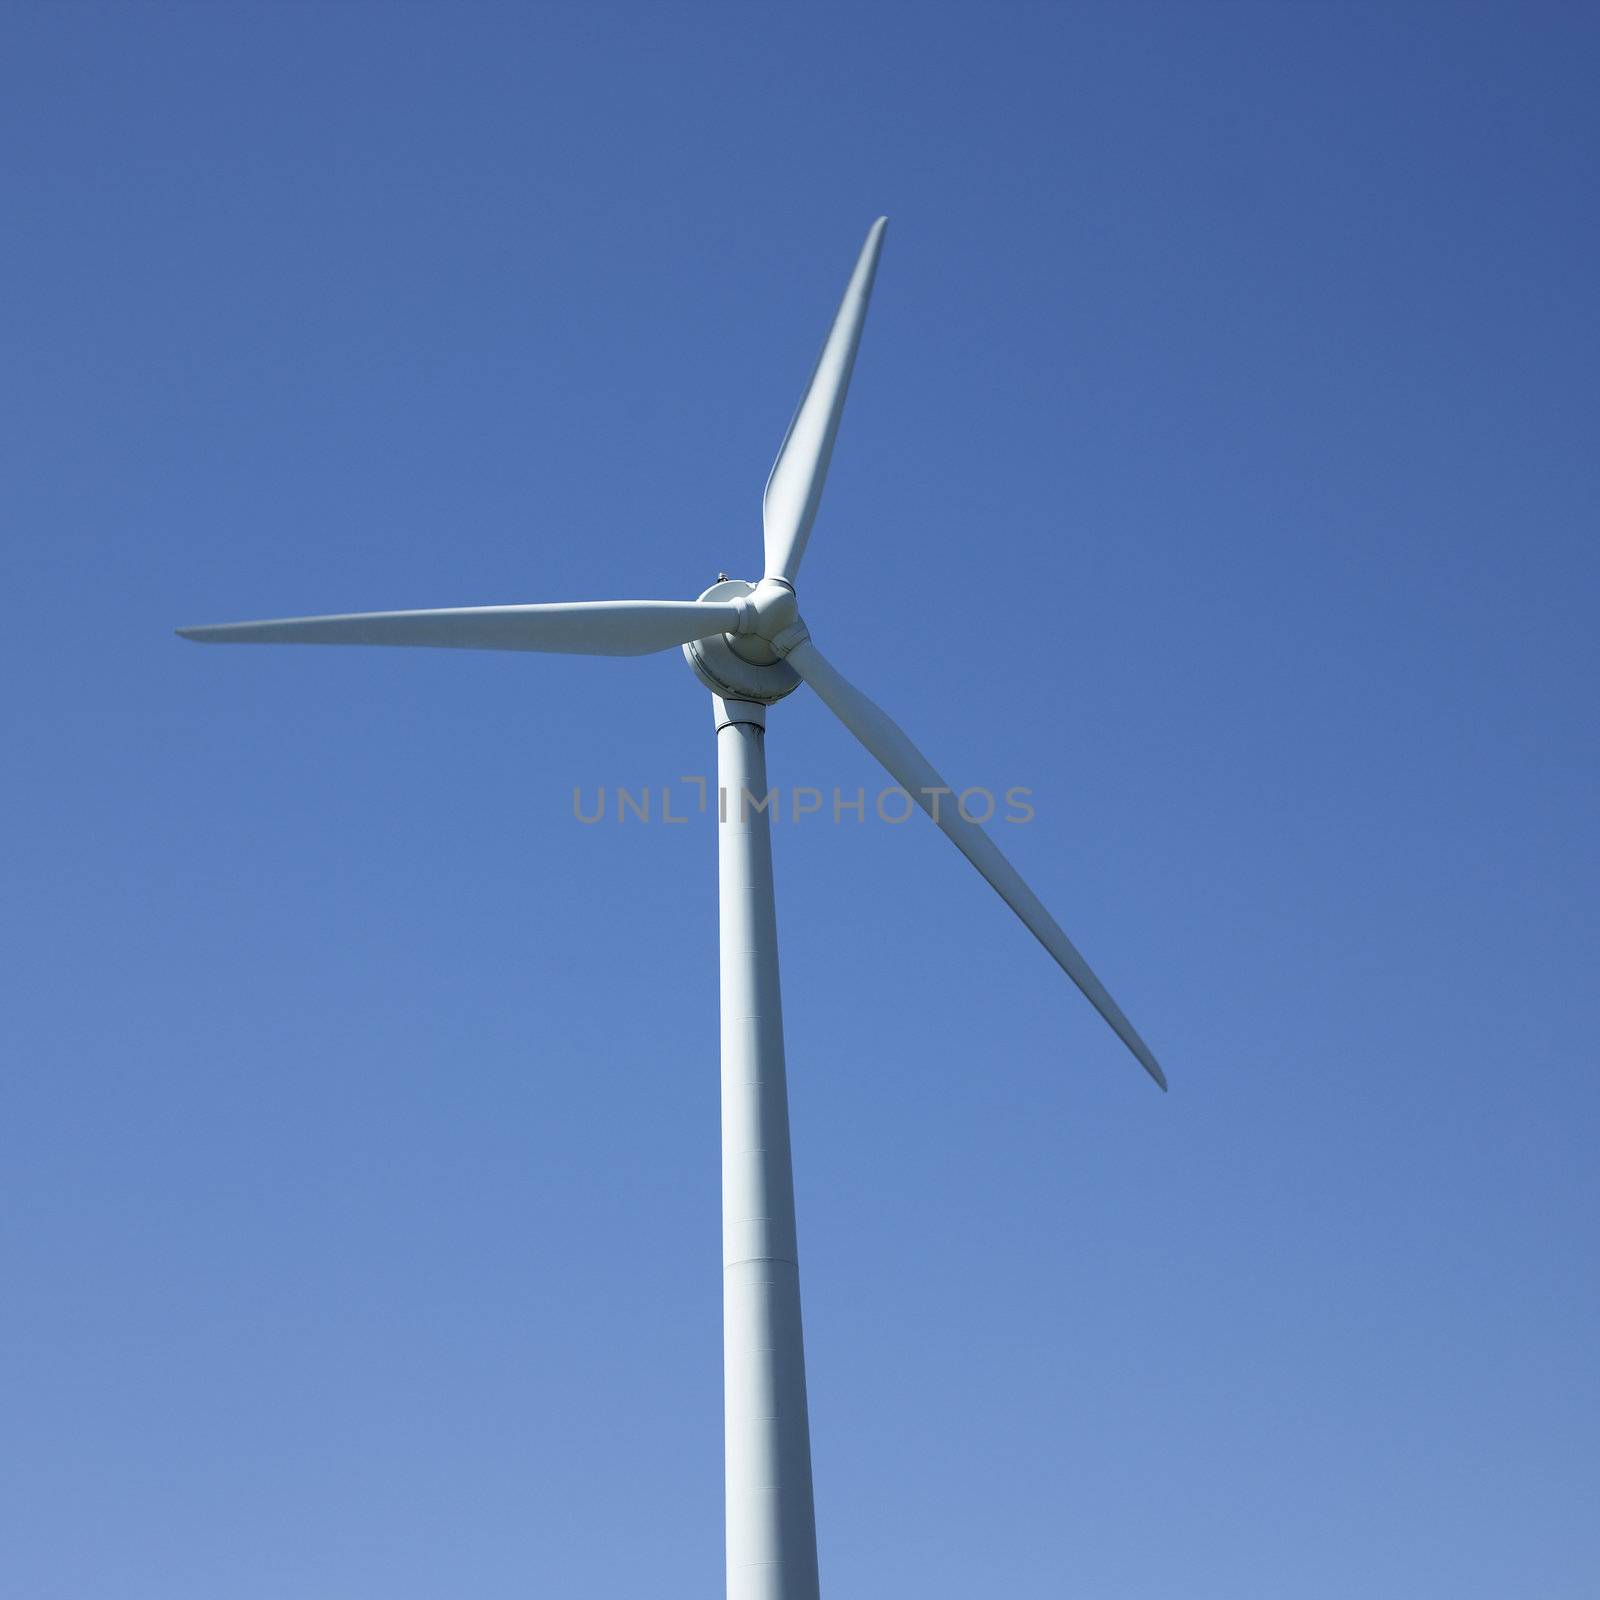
(581, 627)
(886, 740)
(795, 486)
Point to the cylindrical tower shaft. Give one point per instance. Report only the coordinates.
(771, 1520)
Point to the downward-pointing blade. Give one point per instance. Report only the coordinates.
(887, 741)
(795, 486)
(580, 627)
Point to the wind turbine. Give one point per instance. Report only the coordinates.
(748, 645)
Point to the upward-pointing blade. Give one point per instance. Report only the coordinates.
(795, 487)
(580, 627)
(887, 741)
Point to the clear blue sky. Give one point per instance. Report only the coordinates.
(1221, 465)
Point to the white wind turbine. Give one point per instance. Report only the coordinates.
(749, 646)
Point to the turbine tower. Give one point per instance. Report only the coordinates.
(748, 645)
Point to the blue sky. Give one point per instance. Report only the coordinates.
(1220, 465)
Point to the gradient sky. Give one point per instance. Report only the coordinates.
(1220, 465)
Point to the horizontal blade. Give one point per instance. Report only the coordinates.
(886, 740)
(580, 627)
(794, 489)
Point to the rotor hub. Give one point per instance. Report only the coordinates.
(744, 665)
